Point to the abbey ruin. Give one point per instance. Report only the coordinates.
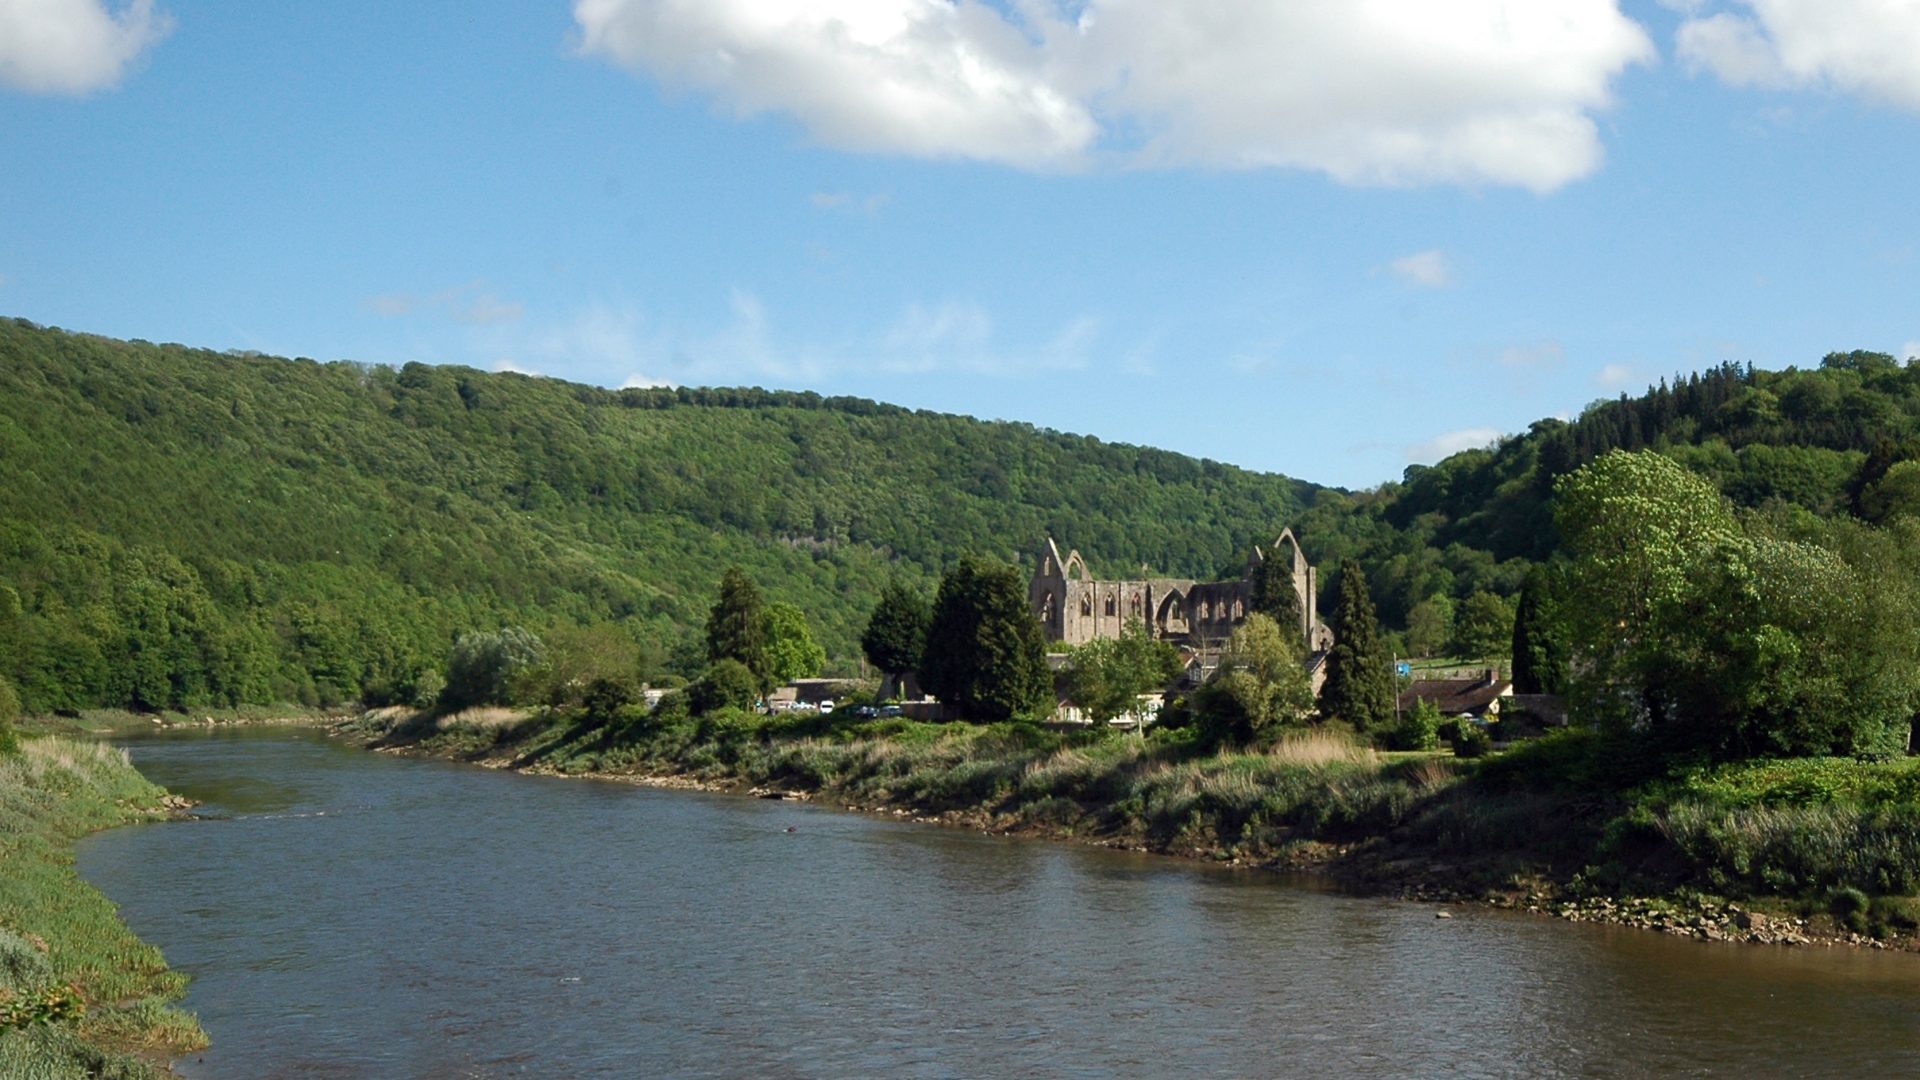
(1074, 607)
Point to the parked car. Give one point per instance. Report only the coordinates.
(826, 707)
(866, 712)
(891, 710)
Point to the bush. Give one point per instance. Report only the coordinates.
(9, 712)
(1469, 739)
(726, 683)
(1419, 728)
(606, 696)
(482, 667)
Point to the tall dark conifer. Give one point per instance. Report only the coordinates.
(1539, 641)
(736, 626)
(986, 659)
(1274, 595)
(896, 632)
(1360, 682)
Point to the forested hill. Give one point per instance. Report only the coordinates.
(1839, 438)
(181, 527)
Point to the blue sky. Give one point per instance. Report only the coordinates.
(1326, 239)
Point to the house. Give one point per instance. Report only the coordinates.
(1481, 695)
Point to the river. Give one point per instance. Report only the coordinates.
(347, 914)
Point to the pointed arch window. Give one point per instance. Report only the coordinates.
(1086, 605)
(1110, 604)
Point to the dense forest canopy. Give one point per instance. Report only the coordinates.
(181, 527)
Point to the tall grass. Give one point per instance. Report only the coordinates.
(55, 929)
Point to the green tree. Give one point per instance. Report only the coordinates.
(1894, 494)
(1717, 640)
(737, 625)
(1273, 592)
(571, 660)
(1259, 686)
(1430, 625)
(985, 657)
(1359, 687)
(897, 630)
(1106, 676)
(727, 683)
(483, 666)
(791, 650)
(1484, 626)
(1539, 638)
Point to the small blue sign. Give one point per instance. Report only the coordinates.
(1403, 668)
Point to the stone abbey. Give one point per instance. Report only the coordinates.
(1074, 607)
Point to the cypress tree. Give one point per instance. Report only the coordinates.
(985, 657)
(1359, 687)
(1539, 642)
(736, 626)
(896, 632)
(1274, 595)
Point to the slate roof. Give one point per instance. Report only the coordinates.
(1455, 696)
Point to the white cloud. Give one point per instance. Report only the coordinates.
(1909, 351)
(507, 363)
(638, 381)
(1427, 269)
(841, 200)
(1866, 47)
(73, 46)
(470, 303)
(1616, 376)
(1452, 442)
(1376, 92)
(1542, 356)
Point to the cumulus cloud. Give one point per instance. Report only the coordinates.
(1909, 352)
(1452, 442)
(1866, 47)
(1382, 92)
(73, 46)
(1427, 269)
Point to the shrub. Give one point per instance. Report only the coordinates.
(1469, 739)
(9, 712)
(1849, 907)
(726, 683)
(1419, 728)
(606, 696)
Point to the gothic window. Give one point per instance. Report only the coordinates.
(1206, 611)
(1239, 610)
(1135, 606)
(1110, 607)
(1046, 607)
(1086, 605)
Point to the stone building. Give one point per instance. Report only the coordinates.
(1074, 607)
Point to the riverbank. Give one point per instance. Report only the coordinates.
(110, 723)
(1717, 855)
(80, 995)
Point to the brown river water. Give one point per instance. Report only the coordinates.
(346, 914)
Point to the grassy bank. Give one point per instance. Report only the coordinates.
(80, 995)
(1570, 823)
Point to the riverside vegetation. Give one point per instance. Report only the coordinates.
(80, 996)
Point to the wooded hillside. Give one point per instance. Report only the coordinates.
(180, 527)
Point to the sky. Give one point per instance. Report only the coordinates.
(1329, 238)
